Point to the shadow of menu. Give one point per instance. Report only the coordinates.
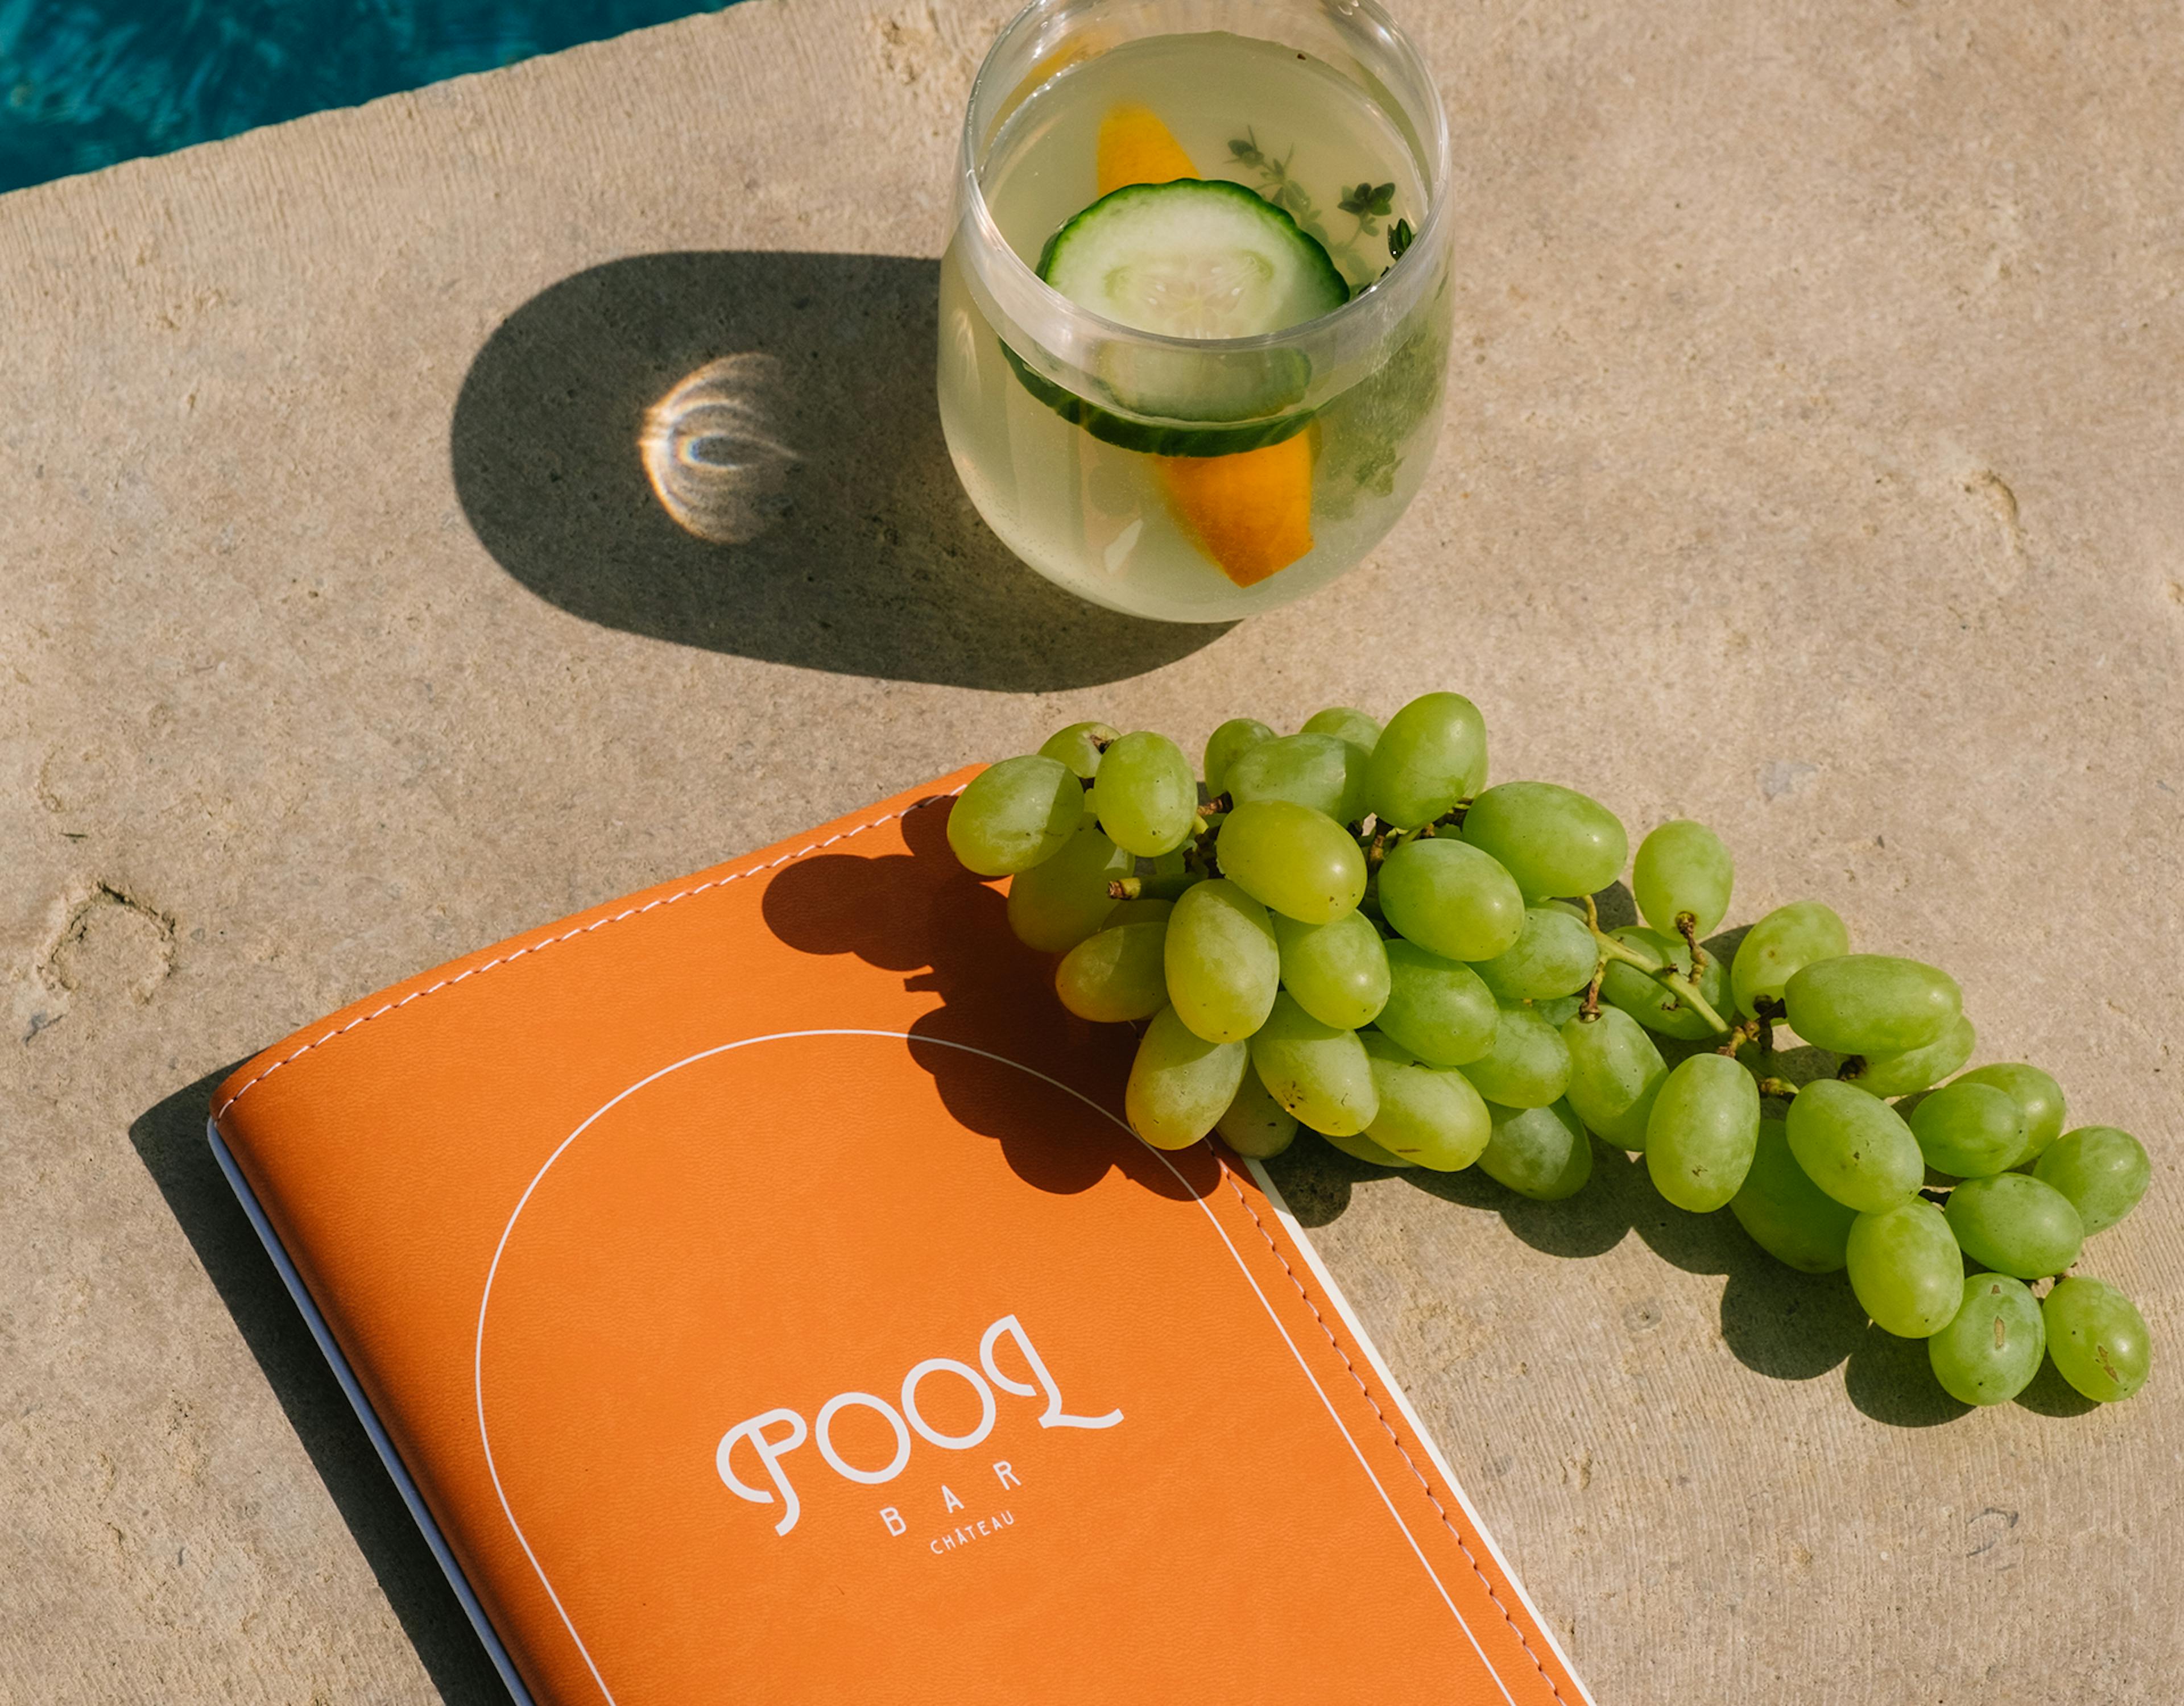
(170, 1139)
(743, 452)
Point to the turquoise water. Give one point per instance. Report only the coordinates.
(84, 83)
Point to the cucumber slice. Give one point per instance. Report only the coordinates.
(1155, 438)
(1198, 259)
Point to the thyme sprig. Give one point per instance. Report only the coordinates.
(1367, 203)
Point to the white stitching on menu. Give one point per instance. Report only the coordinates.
(1380, 1416)
(759, 870)
(581, 930)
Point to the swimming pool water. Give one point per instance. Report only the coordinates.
(84, 83)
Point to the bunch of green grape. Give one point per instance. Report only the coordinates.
(1346, 930)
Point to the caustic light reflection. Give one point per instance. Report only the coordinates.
(710, 452)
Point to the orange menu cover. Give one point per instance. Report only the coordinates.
(756, 1291)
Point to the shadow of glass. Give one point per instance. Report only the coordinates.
(169, 1139)
(743, 452)
(922, 913)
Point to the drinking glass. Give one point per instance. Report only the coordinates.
(1310, 440)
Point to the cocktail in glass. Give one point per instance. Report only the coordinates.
(1137, 450)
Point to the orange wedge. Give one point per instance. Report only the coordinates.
(1251, 512)
(1136, 147)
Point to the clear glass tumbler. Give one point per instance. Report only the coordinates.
(1197, 479)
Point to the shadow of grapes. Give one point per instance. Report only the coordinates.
(1591, 1223)
(2051, 1395)
(1889, 1379)
(921, 914)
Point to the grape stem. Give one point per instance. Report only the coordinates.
(1780, 1088)
(1746, 1031)
(1686, 989)
(1687, 926)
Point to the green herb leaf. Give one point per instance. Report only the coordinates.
(1399, 239)
(1379, 199)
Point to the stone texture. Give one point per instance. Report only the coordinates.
(1810, 469)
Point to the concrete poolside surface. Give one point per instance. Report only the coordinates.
(1810, 469)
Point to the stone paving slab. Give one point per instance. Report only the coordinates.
(1810, 469)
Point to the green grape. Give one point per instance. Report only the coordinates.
(1702, 1134)
(1682, 868)
(1223, 964)
(1788, 1216)
(1432, 754)
(1553, 954)
(1615, 1074)
(1916, 1069)
(1345, 723)
(1320, 1073)
(1060, 902)
(2016, 1223)
(1450, 898)
(2102, 1170)
(1552, 840)
(2097, 1339)
(1356, 1144)
(1429, 1116)
(1905, 1267)
(1147, 910)
(1255, 1125)
(1854, 1146)
(1780, 945)
(1116, 974)
(1653, 1003)
(1437, 1008)
(1528, 1065)
(1338, 972)
(2037, 1094)
(1298, 862)
(1321, 771)
(1180, 1085)
(1016, 814)
(1539, 1152)
(1227, 744)
(1990, 1352)
(1079, 746)
(1968, 1130)
(1866, 1004)
(1147, 797)
(1559, 1010)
